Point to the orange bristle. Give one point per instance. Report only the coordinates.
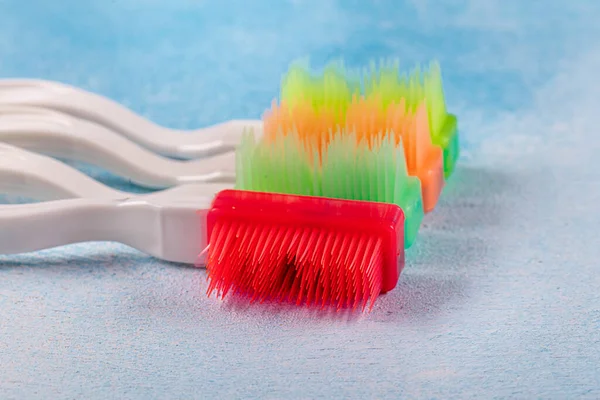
(371, 121)
(423, 159)
(305, 250)
(313, 127)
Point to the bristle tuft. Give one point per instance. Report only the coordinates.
(345, 169)
(333, 89)
(319, 267)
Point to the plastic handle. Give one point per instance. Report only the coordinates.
(63, 136)
(23, 173)
(173, 231)
(199, 143)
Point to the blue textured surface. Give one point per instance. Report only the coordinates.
(500, 297)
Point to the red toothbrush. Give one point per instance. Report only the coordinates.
(308, 250)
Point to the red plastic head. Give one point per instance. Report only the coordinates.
(305, 249)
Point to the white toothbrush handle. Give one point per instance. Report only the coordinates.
(172, 231)
(23, 173)
(211, 140)
(64, 136)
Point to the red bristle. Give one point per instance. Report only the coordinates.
(288, 280)
(375, 278)
(353, 251)
(342, 281)
(358, 269)
(316, 263)
(263, 278)
(323, 259)
(303, 250)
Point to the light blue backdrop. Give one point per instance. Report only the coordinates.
(500, 296)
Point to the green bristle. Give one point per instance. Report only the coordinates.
(281, 166)
(348, 170)
(243, 157)
(434, 93)
(390, 85)
(330, 91)
(382, 80)
(296, 85)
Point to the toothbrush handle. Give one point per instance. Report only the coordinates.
(61, 135)
(171, 232)
(204, 142)
(24, 173)
(31, 227)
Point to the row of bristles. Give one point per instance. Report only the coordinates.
(332, 189)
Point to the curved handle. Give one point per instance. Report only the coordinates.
(63, 136)
(23, 173)
(200, 143)
(173, 232)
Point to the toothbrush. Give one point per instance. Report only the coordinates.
(261, 245)
(63, 136)
(216, 139)
(303, 249)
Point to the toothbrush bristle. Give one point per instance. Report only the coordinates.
(365, 118)
(313, 127)
(305, 250)
(346, 169)
(334, 88)
(372, 126)
(303, 266)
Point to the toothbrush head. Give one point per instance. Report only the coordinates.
(368, 123)
(305, 250)
(408, 129)
(336, 89)
(420, 86)
(346, 168)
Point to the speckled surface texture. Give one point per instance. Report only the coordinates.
(500, 296)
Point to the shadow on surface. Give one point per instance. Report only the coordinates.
(420, 295)
(474, 197)
(438, 273)
(93, 255)
(454, 244)
(241, 304)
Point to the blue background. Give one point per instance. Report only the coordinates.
(500, 296)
